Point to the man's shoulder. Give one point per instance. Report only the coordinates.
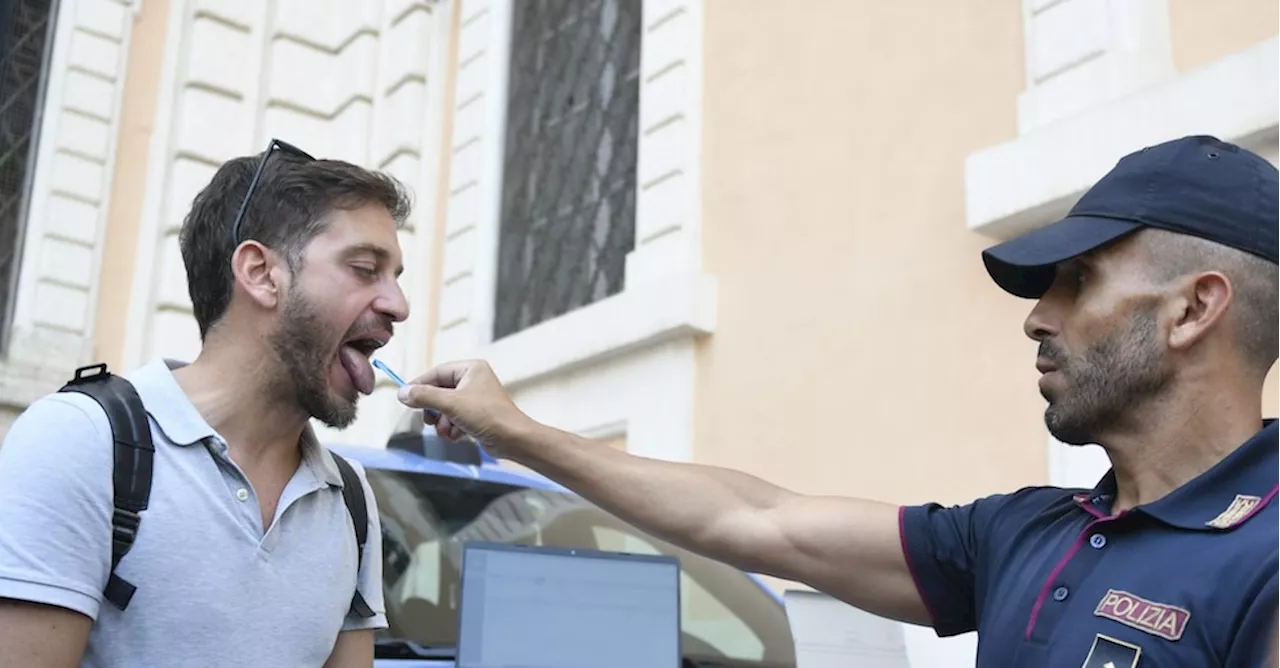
(358, 470)
(356, 465)
(77, 410)
(56, 468)
(68, 428)
(1037, 495)
(61, 436)
(1006, 515)
(62, 413)
(1031, 500)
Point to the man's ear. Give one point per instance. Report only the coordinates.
(1203, 301)
(260, 273)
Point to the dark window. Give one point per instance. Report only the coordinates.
(569, 170)
(26, 29)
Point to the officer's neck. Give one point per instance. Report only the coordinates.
(1169, 441)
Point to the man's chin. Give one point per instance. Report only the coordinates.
(337, 420)
(1063, 430)
(340, 409)
(345, 412)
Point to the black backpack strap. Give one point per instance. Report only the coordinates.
(134, 451)
(353, 495)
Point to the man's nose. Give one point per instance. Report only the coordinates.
(1039, 324)
(392, 303)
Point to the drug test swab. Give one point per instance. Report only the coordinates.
(395, 378)
(380, 365)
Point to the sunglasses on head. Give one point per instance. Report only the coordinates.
(275, 145)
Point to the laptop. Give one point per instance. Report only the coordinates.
(541, 607)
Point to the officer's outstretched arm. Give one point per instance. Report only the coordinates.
(846, 547)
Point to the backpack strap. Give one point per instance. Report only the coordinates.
(134, 451)
(353, 496)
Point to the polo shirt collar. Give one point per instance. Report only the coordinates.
(183, 425)
(319, 458)
(1220, 499)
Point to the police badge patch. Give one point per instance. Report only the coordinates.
(1107, 652)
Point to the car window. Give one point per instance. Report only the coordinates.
(426, 519)
(702, 615)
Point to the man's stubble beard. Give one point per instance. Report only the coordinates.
(1106, 383)
(305, 356)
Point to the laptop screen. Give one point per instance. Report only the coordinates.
(534, 607)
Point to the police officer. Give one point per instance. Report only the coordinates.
(1156, 317)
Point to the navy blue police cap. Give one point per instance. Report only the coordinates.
(1197, 185)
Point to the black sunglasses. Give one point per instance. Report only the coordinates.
(275, 145)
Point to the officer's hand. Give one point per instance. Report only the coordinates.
(466, 398)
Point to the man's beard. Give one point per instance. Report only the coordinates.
(1107, 382)
(304, 352)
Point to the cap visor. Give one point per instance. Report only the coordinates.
(1025, 266)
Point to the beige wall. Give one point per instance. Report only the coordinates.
(137, 119)
(860, 347)
(1203, 31)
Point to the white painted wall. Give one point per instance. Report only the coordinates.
(828, 633)
(1076, 465)
(1021, 184)
(56, 290)
(347, 79)
(926, 650)
(1084, 53)
(625, 364)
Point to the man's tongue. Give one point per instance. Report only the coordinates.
(357, 366)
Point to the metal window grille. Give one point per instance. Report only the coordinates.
(569, 172)
(26, 29)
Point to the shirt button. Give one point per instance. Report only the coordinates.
(242, 494)
(1097, 540)
(1060, 594)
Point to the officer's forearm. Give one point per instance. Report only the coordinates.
(710, 510)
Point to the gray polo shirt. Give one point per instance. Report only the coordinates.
(213, 587)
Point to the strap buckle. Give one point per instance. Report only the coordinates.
(89, 373)
(124, 527)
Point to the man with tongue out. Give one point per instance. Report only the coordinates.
(246, 552)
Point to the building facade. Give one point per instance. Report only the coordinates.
(736, 232)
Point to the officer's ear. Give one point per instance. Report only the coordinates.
(1198, 305)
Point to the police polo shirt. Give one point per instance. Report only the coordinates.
(1049, 578)
(214, 588)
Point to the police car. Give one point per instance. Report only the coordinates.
(435, 495)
